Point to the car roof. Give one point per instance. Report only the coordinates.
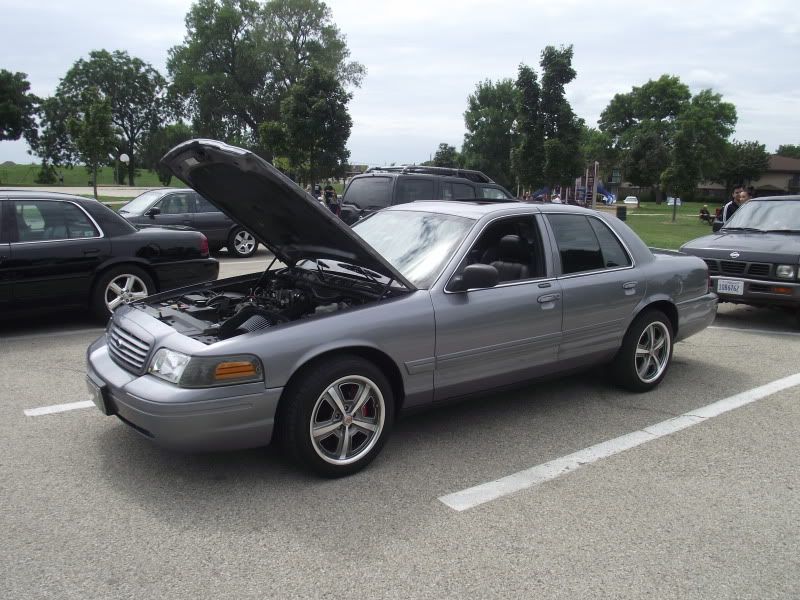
(39, 195)
(477, 209)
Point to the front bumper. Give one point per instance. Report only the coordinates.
(760, 292)
(221, 418)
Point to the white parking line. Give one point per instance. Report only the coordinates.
(57, 408)
(761, 331)
(486, 492)
(33, 336)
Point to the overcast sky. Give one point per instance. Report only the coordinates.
(424, 57)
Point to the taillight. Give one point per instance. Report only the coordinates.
(203, 245)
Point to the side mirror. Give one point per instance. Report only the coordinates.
(153, 212)
(475, 276)
(716, 225)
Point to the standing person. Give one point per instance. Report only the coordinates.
(732, 206)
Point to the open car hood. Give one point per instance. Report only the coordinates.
(290, 222)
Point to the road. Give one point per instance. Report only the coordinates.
(92, 510)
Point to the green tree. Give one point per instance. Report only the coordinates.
(790, 150)
(446, 156)
(134, 89)
(17, 106)
(92, 131)
(240, 58)
(699, 143)
(490, 118)
(742, 162)
(158, 142)
(527, 156)
(313, 128)
(562, 129)
(53, 144)
(642, 125)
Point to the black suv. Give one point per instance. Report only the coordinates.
(380, 187)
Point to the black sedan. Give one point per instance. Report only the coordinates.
(187, 208)
(58, 250)
(755, 257)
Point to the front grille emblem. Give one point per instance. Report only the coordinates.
(734, 254)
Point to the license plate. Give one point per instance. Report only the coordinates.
(98, 396)
(730, 286)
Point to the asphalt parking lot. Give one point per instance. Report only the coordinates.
(92, 510)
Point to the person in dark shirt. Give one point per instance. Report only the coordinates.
(732, 206)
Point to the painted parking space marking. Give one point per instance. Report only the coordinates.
(47, 334)
(759, 331)
(492, 490)
(57, 408)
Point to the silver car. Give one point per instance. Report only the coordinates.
(419, 303)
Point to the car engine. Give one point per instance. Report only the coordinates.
(214, 314)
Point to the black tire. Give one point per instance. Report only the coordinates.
(304, 403)
(142, 286)
(241, 243)
(641, 373)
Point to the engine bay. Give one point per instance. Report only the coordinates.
(255, 303)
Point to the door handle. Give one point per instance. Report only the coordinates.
(92, 251)
(629, 285)
(548, 298)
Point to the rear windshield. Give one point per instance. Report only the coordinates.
(369, 192)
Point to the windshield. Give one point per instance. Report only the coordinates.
(418, 244)
(141, 203)
(767, 215)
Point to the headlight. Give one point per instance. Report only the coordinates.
(785, 271)
(198, 372)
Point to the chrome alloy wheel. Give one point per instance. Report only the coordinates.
(124, 289)
(244, 242)
(347, 420)
(653, 351)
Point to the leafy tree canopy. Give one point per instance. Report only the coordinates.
(446, 156)
(313, 128)
(742, 162)
(92, 131)
(790, 150)
(490, 118)
(240, 58)
(527, 156)
(17, 106)
(134, 90)
(158, 142)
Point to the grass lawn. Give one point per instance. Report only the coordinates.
(19, 175)
(653, 223)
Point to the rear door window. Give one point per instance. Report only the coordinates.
(577, 243)
(46, 220)
(409, 190)
(493, 193)
(369, 192)
(462, 191)
(614, 254)
(204, 206)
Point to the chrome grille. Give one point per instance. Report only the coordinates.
(127, 350)
(713, 267)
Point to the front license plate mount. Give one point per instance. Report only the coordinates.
(733, 287)
(99, 395)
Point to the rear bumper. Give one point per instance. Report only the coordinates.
(186, 272)
(695, 315)
(760, 292)
(224, 418)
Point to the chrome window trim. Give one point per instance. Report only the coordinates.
(593, 271)
(83, 210)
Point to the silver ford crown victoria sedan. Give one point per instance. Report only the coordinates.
(417, 304)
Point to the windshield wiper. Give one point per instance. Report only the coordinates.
(743, 229)
(782, 231)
